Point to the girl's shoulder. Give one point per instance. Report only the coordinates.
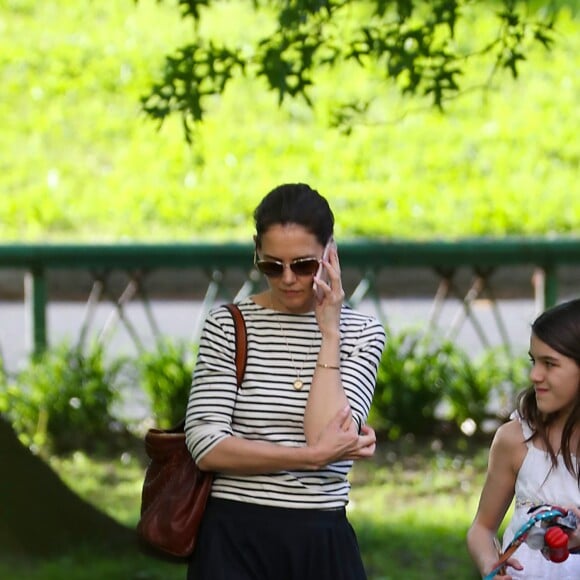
(509, 442)
(511, 433)
(508, 450)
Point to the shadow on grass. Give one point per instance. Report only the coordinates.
(411, 506)
(92, 565)
(390, 553)
(414, 552)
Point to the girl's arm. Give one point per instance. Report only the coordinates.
(505, 457)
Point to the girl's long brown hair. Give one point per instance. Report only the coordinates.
(559, 328)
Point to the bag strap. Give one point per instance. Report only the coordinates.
(241, 342)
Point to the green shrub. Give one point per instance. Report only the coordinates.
(484, 389)
(166, 375)
(426, 385)
(62, 400)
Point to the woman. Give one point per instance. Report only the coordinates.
(282, 445)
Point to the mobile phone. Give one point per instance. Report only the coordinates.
(321, 273)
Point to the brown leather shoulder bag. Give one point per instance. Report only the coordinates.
(175, 491)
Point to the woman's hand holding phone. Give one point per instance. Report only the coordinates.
(329, 294)
(321, 273)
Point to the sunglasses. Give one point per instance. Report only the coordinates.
(300, 267)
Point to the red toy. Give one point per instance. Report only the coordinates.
(547, 530)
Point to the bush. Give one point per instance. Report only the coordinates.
(166, 375)
(62, 400)
(426, 385)
(484, 390)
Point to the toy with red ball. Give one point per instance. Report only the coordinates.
(556, 542)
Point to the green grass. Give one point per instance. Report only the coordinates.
(80, 161)
(411, 507)
(88, 566)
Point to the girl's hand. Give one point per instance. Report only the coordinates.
(574, 541)
(504, 574)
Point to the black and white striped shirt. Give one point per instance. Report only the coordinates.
(267, 407)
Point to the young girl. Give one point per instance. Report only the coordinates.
(535, 456)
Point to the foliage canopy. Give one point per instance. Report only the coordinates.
(82, 161)
(419, 45)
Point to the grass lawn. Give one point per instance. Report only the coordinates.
(81, 161)
(411, 506)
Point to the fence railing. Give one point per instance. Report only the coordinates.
(226, 271)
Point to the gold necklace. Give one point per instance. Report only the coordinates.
(298, 383)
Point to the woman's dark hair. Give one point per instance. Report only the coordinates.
(295, 203)
(559, 328)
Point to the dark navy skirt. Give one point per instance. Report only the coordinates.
(240, 541)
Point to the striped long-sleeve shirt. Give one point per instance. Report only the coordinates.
(267, 407)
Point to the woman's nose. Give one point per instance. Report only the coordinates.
(287, 275)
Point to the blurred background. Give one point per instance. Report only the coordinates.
(126, 199)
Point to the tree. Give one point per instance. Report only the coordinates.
(40, 515)
(414, 44)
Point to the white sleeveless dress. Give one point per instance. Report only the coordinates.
(535, 485)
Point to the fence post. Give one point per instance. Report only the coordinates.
(550, 286)
(35, 298)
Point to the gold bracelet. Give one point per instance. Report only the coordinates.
(328, 366)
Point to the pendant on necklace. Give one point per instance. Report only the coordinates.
(298, 384)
